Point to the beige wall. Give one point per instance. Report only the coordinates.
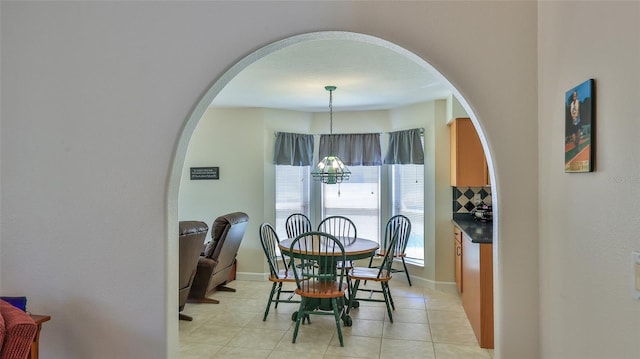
(99, 100)
(454, 109)
(589, 221)
(231, 140)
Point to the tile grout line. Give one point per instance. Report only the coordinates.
(443, 300)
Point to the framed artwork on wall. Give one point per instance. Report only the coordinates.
(579, 128)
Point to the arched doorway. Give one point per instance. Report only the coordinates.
(227, 77)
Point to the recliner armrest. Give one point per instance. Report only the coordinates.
(204, 270)
(204, 262)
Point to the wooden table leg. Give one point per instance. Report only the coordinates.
(35, 347)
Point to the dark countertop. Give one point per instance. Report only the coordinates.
(479, 232)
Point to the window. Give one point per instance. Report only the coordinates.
(408, 199)
(292, 194)
(358, 198)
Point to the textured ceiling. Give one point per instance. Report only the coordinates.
(367, 77)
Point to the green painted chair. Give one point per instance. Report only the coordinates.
(320, 283)
(296, 224)
(341, 227)
(345, 230)
(280, 273)
(380, 275)
(403, 225)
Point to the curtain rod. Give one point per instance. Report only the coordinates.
(358, 133)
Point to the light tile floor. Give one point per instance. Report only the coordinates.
(428, 323)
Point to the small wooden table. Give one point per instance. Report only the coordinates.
(39, 319)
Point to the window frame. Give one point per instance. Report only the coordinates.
(417, 226)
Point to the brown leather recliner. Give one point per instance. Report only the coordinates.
(191, 239)
(216, 262)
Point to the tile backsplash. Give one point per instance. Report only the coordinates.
(465, 198)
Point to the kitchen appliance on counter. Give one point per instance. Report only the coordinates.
(482, 213)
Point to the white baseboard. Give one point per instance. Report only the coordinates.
(417, 281)
(252, 277)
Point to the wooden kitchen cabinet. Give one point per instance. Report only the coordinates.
(458, 255)
(468, 162)
(477, 290)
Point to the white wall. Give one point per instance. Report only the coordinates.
(589, 221)
(95, 97)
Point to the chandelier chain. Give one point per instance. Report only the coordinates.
(331, 112)
(330, 169)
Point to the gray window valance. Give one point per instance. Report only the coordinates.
(353, 149)
(405, 148)
(293, 149)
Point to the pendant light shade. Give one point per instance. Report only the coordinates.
(330, 169)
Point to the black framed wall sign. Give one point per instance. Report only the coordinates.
(205, 173)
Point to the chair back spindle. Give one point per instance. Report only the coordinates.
(269, 239)
(296, 224)
(341, 227)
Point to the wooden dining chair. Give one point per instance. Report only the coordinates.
(319, 280)
(296, 224)
(381, 275)
(279, 273)
(345, 230)
(339, 226)
(403, 225)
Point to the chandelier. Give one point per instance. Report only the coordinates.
(330, 169)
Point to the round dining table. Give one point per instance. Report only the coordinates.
(359, 248)
(354, 249)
